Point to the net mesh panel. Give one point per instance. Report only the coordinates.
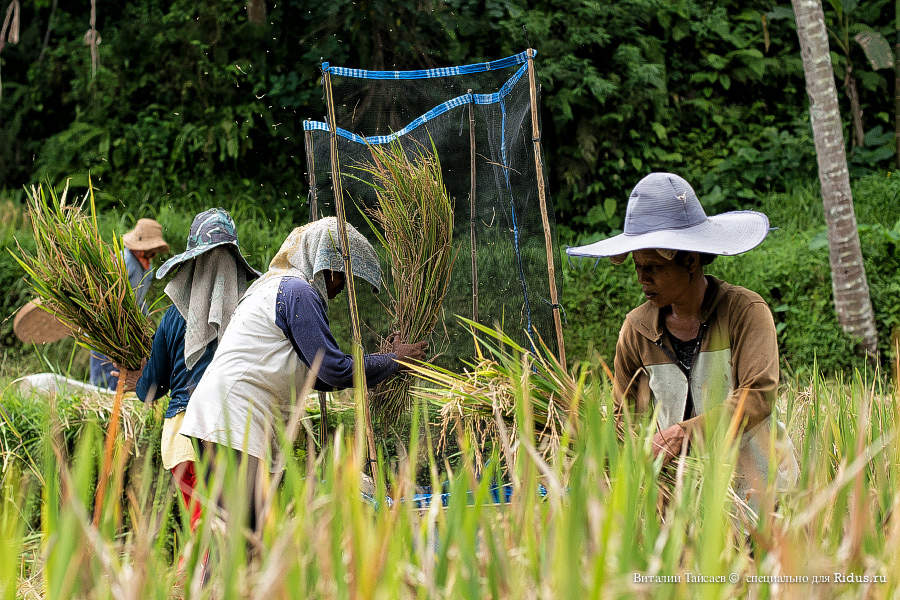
(418, 108)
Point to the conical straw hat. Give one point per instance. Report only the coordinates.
(34, 325)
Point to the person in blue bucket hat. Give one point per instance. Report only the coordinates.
(698, 345)
(209, 278)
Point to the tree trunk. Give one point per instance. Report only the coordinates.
(848, 274)
(256, 12)
(855, 108)
(897, 82)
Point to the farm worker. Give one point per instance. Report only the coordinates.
(142, 244)
(277, 331)
(210, 276)
(697, 343)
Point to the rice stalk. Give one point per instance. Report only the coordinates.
(414, 223)
(82, 279)
(471, 402)
(482, 403)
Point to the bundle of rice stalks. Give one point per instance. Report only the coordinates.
(481, 402)
(509, 391)
(413, 221)
(82, 280)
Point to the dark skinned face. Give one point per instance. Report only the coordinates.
(662, 281)
(144, 257)
(334, 283)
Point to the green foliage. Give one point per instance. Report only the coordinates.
(790, 271)
(190, 95)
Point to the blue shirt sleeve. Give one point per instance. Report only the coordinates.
(139, 279)
(155, 381)
(300, 314)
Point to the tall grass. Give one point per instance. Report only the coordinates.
(580, 525)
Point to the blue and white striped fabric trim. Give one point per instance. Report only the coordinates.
(431, 114)
(509, 61)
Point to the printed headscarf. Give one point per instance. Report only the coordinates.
(212, 274)
(314, 248)
(206, 290)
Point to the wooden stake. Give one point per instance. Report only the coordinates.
(472, 206)
(112, 432)
(311, 168)
(542, 198)
(314, 216)
(348, 272)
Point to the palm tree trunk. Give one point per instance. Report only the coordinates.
(848, 275)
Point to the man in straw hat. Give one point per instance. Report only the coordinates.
(276, 334)
(142, 244)
(697, 343)
(210, 276)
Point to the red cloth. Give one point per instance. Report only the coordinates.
(186, 480)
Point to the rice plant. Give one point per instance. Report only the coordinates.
(414, 223)
(586, 523)
(481, 402)
(82, 279)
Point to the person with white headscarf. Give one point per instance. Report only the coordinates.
(211, 274)
(698, 345)
(276, 333)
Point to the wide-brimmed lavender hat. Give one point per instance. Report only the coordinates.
(211, 228)
(664, 213)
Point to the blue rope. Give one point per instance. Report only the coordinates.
(515, 224)
(438, 110)
(509, 61)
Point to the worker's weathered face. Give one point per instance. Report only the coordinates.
(662, 281)
(145, 257)
(334, 283)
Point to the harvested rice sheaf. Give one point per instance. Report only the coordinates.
(82, 279)
(414, 223)
(509, 391)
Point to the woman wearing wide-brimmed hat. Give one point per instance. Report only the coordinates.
(141, 245)
(210, 277)
(698, 343)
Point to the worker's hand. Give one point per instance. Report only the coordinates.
(670, 441)
(404, 351)
(131, 377)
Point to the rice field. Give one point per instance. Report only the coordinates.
(592, 520)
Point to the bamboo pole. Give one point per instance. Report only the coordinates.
(112, 432)
(348, 272)
(542, 198)
(314, 216)
(472, 206)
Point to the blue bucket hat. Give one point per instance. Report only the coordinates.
(211, 228)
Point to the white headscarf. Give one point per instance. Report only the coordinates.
(206, 291)
(315, 247)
